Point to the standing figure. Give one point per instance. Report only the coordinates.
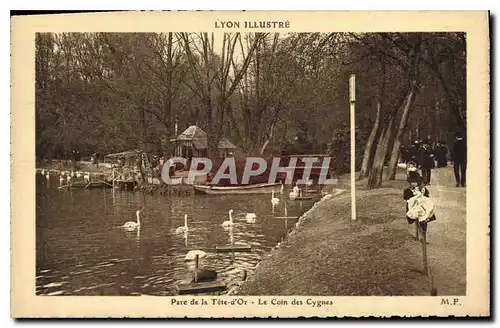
(404, 154)
(441, 154)
(415, 186)
(95, 159)
(73, 159)
(413, 153)
(427, 160)
(459, 158)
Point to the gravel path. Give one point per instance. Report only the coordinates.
(447, 235)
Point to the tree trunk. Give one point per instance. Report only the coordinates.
(269, 136)
(375, 177)
(396, 148)
(367, 157)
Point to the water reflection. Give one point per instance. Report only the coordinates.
(82, 249)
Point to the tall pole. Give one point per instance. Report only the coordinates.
(352, 103)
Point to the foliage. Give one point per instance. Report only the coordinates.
(267, 92)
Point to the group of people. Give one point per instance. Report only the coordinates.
(426, 155)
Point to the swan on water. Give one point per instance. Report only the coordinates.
(230, 222)
(295, 192)
(132, 224)
(191, 255)
(274, 200)
(250, 217)
(184, 228)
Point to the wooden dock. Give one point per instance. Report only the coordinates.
(201, 287)
(303, 198)
(197, 287)
(125, 184)
(233, 248)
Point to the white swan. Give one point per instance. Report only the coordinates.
(274, 200)
(230, 222)
(295, 192)
(132, 224)
(184, 228)
(250, 217)
(191, 255)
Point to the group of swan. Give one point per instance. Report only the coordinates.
(191, 255)
(249, 217)
(69, 175)
(296, 192)
(203, 275)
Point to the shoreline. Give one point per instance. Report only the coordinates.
(235, 290)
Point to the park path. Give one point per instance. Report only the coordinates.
(447, 235)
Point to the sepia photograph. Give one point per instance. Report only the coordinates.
(254, 160)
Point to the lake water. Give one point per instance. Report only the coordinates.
(81, 249)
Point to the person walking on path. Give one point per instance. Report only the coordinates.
(441, 154)
(426, 160)
(413, 153)
(459, 158)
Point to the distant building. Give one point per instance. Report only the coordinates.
(193, 143)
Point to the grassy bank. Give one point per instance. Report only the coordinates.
(328, 254)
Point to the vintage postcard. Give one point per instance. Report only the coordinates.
(250, 164)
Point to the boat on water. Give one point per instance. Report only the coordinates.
(259, 188)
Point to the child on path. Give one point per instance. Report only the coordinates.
(418, 209)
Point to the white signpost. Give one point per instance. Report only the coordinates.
(352, 102)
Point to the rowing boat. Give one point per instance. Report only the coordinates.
(260, 188)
